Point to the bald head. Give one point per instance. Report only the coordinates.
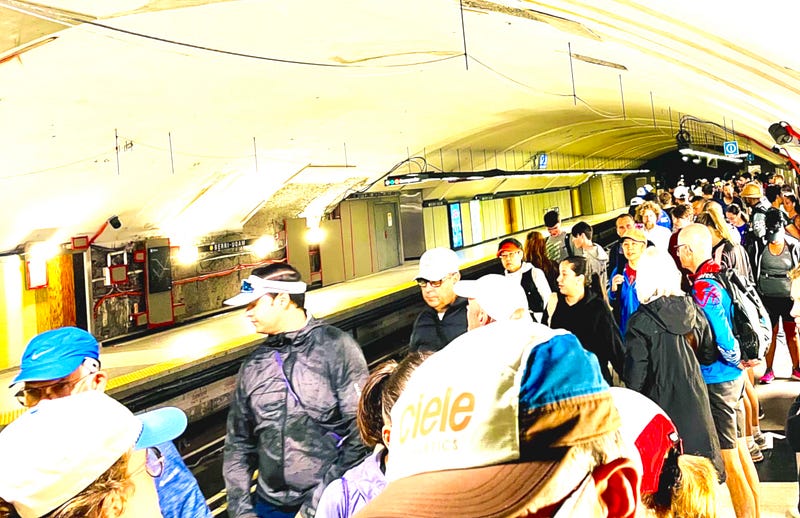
(694, 246)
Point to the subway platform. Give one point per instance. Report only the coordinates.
(143, 364)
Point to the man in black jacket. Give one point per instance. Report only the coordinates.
(293, 414)
(446, 315)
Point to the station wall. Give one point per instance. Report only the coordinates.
(484, 220)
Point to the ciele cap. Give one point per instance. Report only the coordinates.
(59, 447)
(499, 296)
(436, 263)
(484, 438)
(752, 190)
(56, 354)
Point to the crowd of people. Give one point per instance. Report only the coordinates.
(575, 381)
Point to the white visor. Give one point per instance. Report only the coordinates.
(253, 288)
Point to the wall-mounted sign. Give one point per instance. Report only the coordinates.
(543, 161)
(731, 147)
(456, 228)
(226, 245)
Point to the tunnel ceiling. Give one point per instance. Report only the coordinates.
(189, 118)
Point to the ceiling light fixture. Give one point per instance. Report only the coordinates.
(783, 133)
(705, 154)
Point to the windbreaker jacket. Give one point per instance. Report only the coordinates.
(624, 301)
(345, 496)
(715, 302)
(660, 364)
(430, 333)
(293, 418)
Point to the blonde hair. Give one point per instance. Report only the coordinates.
(648, 205)
(694, 495)
(795, 273)
(90, 503)
(714, 210)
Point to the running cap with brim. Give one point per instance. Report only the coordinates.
(437, 263)
(648, 429)
(55, 354)
(497, 295)
(254, 287)
(480, 432)
(509, 245)
(635, 234)
(59, 447)
(636, 200)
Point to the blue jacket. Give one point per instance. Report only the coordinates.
(716, 305)
(179, 495)
(345, 496)
(624, 301)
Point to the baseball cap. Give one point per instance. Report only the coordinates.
(484, 439)
(254, 287)
(648, 428)
(56, 354)
(499, 296)
(752, 190)
(59, 447)
(636, 200)
(681, 192)
(437, 263)
(509, 244)
(635, 234)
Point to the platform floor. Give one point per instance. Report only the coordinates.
(176, 349)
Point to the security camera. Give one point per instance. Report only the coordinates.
(114, 222)
(782, 132)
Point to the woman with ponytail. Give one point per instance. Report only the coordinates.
(343, 497)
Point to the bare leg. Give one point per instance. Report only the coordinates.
(771, 350)
(750, 403)
(750, 472)
(744, 503)
(790, 329)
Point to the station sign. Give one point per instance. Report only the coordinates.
(542, 161)
(731, 148)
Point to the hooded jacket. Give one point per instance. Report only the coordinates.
(293, 418)
(660, 364)
(592, 323)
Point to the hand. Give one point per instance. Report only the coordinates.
(748, 363)
(616, 281)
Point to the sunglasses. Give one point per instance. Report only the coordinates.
(435, 284)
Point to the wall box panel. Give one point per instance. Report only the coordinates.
(158, 283)
(331, 251)
(297, 247)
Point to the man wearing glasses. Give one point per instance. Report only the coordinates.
(446, 315)
(65, 361)
(533, 280)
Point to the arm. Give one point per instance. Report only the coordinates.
(708, 296)
(331, 503)
(542, 286)
(240, 456)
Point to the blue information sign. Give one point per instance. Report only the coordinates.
(543, 161)
(456, 228)
(731, 147)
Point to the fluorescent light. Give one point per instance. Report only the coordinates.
(703, 154)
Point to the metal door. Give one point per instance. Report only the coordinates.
(387, 243)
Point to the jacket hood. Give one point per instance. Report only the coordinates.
(676, 314)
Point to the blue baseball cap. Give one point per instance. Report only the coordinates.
(55, 354)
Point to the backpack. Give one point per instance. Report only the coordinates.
(751, 324)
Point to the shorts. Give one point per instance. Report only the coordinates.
(778, 307)
(727, 411)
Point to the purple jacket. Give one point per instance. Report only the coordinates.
(345, 496)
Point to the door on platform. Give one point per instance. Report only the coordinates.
(387, 235)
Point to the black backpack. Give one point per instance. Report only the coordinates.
(751, 324)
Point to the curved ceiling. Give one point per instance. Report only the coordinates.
(188, 118)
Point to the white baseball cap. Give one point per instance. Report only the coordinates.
(437, 263)
(59, 447)
(497, 295)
